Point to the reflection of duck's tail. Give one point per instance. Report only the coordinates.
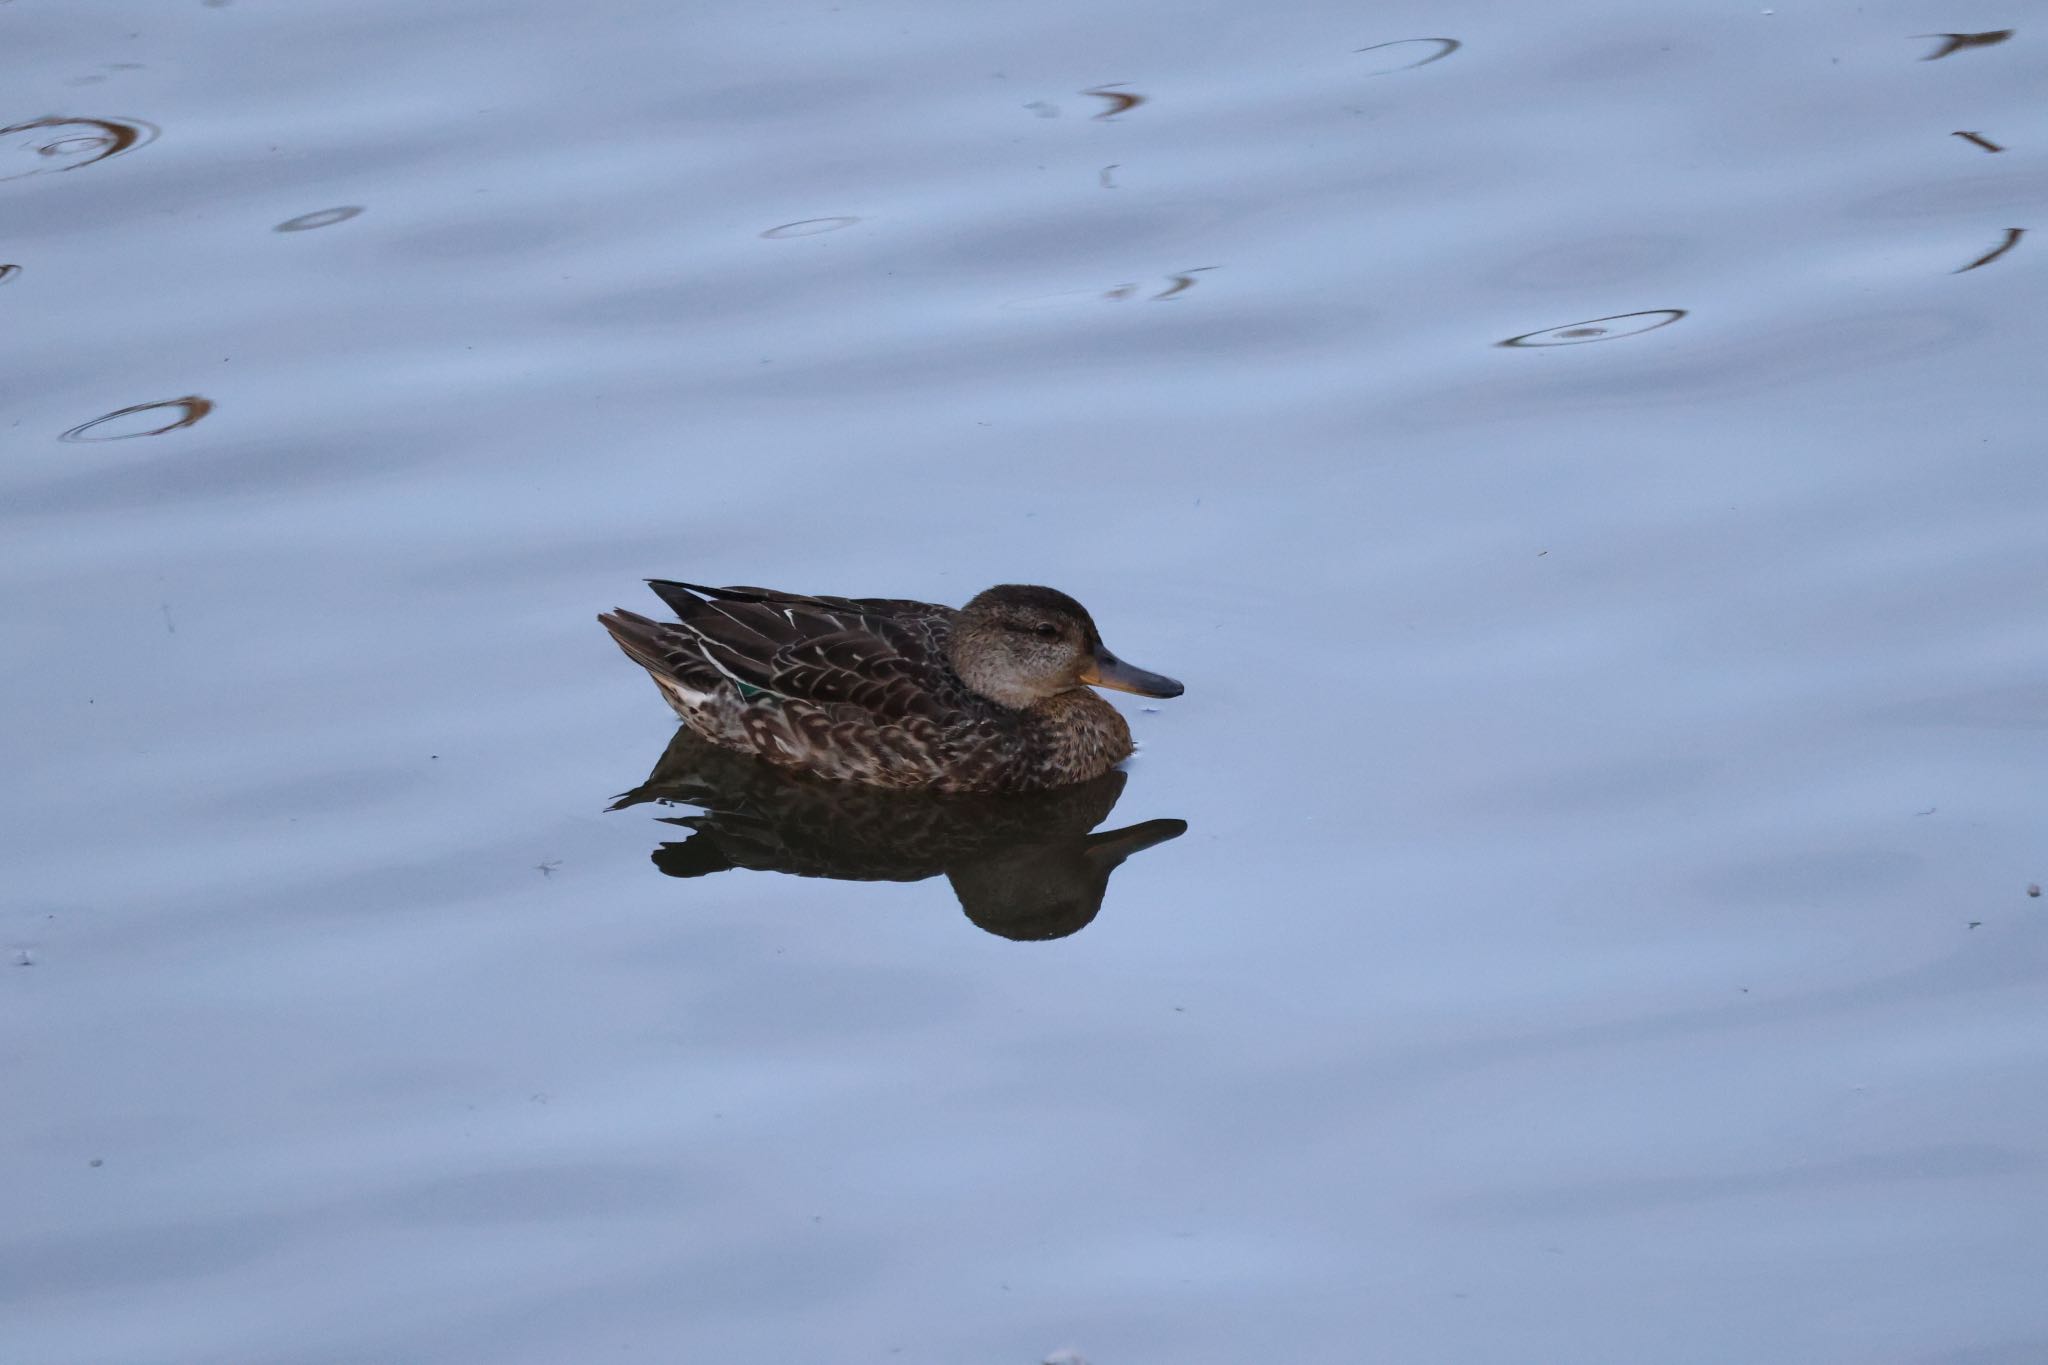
(697, 856)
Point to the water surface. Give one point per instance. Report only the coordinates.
(1611, 770)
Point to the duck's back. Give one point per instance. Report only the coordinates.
(851, 689)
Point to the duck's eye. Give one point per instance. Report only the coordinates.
(1047, 630)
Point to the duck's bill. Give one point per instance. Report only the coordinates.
(1109, 671)
(1112, 846)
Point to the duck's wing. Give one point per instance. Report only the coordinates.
(685, 598)
(883, 655)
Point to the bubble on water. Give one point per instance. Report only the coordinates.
(143, 419)
(810, 227)
(1405, 54)
(64, 144)
(1598, 329)
(321, 218)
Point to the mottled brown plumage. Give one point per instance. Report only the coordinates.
(893, 693)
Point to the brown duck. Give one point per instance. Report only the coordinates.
(992, 697)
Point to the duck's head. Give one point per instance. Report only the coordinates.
(1018, 645)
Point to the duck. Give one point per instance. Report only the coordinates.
(991, 697)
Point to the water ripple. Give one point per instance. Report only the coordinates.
(1956, 42)
(2012, 239)
(1444, 47)
(1595, 329)
(321, 218)
(65, 144)
(810, 227)
(189, 408)
(1178, 283)
(1119, 100)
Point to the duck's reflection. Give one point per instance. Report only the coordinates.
(1024, 867)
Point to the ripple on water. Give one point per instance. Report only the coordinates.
(1405, 54)
(142, 419)
(320, 218)
(64, 144)
(2006, 243)
(1598, 329)
(810, 227)
(1120, 100)
(1955, 42)
(1174, 285)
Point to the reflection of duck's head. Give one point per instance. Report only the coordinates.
(1049, 890)
(1019, 645)
(1024, 867)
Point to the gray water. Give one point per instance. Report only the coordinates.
(1611, 770)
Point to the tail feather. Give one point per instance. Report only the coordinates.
(639, 636)
(672, 656)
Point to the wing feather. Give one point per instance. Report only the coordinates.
(884, 656)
